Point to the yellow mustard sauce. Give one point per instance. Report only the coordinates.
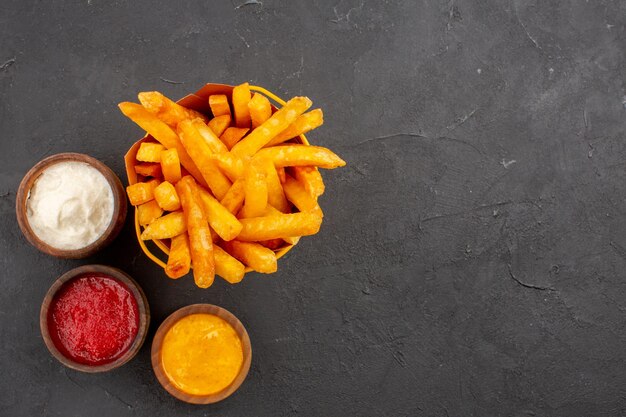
(201, 354)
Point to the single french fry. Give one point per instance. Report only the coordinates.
(303, 124)
(200, 152)
(162, 133)
(301, 155)
(279, 121)
(233, 200)
(281, 174)
(149, 170)
(150, 152)
(233, 166)
(260, 109)
(219, 124)
(228, 267)
(170, 165)
(166, 196)
(254, 255)
(275, 194)
(165, 109)
(148, 212)
(232, 135)
(255, 187)
(311, 179)
(165, 227)
(210, 136)
(200, 242)
(241, 97)
(220, 219)
(279, 226)
(141, 192)
(179, 260)
(219, 105)
(298, 195)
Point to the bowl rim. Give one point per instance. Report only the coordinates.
(120, 206)
(157, 343)
(142, 306)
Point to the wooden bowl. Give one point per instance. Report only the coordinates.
(142, 305)
(119, 206)
(201, 309)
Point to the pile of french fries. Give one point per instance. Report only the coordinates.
(228, 189)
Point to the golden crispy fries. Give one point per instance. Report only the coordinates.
(166, 196)
(275, 194)
(200, 241)
(279, 226)
(219, 105)
(241, 97)
(170, 165)
(301, 155)
(165, 227)
(179, 260)
(232, 135)
(200, 152)
(254, 255)
(303, 124)
(219, 124)
(148, 212)
(142, 192)
(260, 109)
(211, 138)
(149, 170)
(255, 187)
(281, 174)
(298, 195)
(233, 166)
(233, 200)
(279, 121)
(150, 152)
(165, 109)
(228, 267)
(220, 219)
(311, 179)
(162, 133)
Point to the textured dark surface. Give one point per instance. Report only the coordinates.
(473, 255)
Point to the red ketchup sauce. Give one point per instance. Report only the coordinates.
(93, 319)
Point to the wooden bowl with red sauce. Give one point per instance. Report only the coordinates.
(94, 318)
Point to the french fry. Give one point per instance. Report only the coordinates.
(260, 109)
(233, 166)
(141, 192)
(150, 152)
(275, 194)
(166, 196)
(200, 242)
(303, 124)
(165, 227)
(279, 226)
(255, 187)
(200, 152)
(301, 155)
(279, 121)
(281, 174)
(170, 165)
(162, 133)
(298, 195)
(209, 135)
(311, 179)
(219, 124)
(254, 255)
(219, 105)
(220, 219)
(228, 267)
(148, 212)
(232, 135)
(149, 170)
(179, 260)
(241, 97)
(165, 109)
(233, 200)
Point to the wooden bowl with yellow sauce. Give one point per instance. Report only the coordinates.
(201, 354)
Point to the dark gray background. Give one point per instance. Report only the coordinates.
(472, 259)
